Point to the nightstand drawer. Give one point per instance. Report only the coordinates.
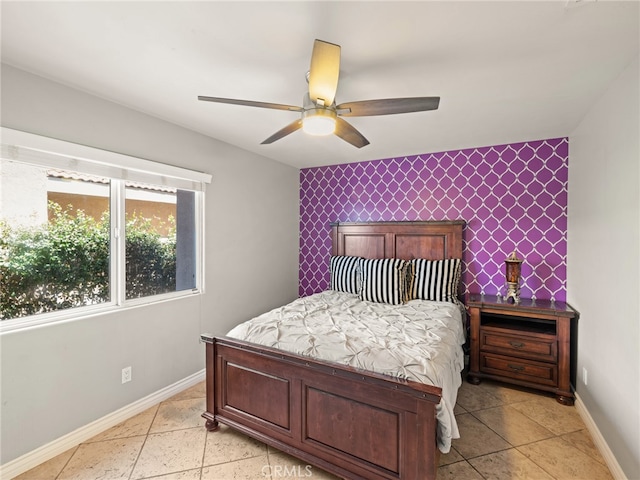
(526, 370)
(535, 348)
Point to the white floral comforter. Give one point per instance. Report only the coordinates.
(420, 341)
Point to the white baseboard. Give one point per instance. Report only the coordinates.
(600, 442)
(46, 452)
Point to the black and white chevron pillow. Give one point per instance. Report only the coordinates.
(436, 280)
(344, 274)
(383, 280)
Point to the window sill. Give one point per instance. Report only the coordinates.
(16, 325)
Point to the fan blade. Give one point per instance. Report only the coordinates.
(387, 106)
(249, 103)
(324, 72)
(348, 133)
(292, 127)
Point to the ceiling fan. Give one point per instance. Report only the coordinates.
(320, 115)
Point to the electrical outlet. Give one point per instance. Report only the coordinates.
(584, 376)
(126, 374)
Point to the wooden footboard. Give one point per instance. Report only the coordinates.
(355, 424)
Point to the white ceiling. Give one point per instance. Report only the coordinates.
(505, 71)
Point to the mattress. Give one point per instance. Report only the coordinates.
(419, 340)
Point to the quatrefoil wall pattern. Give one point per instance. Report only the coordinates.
(511, 196)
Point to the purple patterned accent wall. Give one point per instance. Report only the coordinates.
(511, 196)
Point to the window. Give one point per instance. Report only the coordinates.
(82, 230)
(55, 240)
(160, 241)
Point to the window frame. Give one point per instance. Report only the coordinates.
(42, 151)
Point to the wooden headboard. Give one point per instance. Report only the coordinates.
(405, 240)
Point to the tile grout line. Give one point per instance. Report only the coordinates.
(166, 431)
(600, 460)
(476, 470)
(513, 447)
(484, 395)
(146, 437)
(204, 450)
(537, 464)
(67, 462)
(554, 435)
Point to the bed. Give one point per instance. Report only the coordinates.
(345, 419)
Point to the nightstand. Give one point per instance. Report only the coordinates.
(528, 344)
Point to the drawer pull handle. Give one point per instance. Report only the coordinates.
(516, 344)
(517, 368)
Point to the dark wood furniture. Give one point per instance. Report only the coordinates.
(355, 424)
(527, 344)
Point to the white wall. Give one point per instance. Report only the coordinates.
(604, 264)
(57, 378)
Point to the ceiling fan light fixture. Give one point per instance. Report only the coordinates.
(319, 121)
(320, 114)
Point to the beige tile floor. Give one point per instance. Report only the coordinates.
(506, 433)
